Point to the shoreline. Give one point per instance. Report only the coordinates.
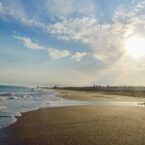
(81, 125)
(16, 117)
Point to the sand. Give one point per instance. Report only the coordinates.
(79, 125)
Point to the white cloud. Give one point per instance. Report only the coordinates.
(19, 13)
(1, 8)
(100, 57)
(57, 8)
(57, 54)
(131, 18)
(132, 14)
(67, 8)
(122, 15)
(105, 38)
(74, 28)
(106, 41)
(79, 55)
(13, 9)
(29, 43)
(85, 29)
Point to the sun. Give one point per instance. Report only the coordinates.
(135, 46)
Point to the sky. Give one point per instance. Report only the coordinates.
(72, 43)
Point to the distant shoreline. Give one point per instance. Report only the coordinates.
(115, 90)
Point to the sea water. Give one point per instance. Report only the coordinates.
(17, 100)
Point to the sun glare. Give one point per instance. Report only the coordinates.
(135, 46)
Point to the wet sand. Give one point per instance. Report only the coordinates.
(78, 125)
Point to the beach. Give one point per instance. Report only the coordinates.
(79, 125)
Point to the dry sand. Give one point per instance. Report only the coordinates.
(79, 125)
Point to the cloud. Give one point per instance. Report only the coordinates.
(132, 18)
(1, 8)
(74, 28)
(64, 8)
(132, 14)
(53, 53)
(100, 57)
(57, 8)
(57, 54)
(27, 42)
(104, 38)
(17, 11)
(79, 55)
(84, 27)
(11, 9)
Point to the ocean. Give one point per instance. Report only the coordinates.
(16, 100)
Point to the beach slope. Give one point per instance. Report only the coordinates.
(79, 125)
